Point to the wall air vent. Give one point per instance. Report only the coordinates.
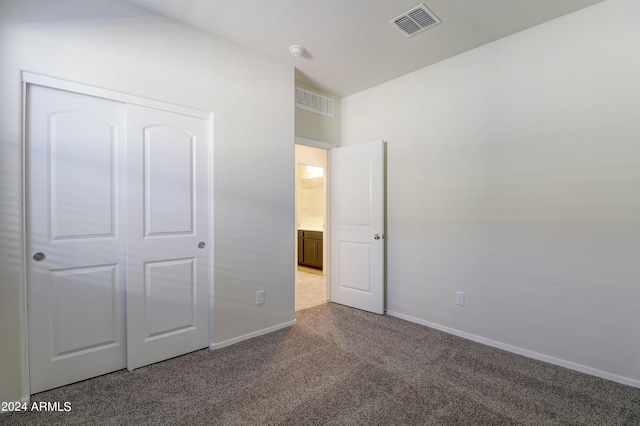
(415, 21)
(315, 102)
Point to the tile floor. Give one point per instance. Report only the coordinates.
(311, 288)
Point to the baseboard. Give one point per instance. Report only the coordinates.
(23, 400)
(520, 351)
(214, 346)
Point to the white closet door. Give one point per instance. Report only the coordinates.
(168, 259)
(75, 236)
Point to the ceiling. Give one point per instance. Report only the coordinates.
(349, 44)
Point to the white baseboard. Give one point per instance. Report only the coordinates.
(520, 351)
(214, 346)
(24, 399)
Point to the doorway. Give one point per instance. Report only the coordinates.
(353, 264)
(311, 220)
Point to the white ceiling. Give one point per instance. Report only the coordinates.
(349, 44)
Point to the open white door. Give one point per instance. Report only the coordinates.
(357, 226)
(168, 260)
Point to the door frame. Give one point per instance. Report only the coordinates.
(326, 236)
(29, 78)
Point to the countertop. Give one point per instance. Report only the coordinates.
(310, 228)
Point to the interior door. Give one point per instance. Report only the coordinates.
(75, 164)
(357, 226)
(168, 260)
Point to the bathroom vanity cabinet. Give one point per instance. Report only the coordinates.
(310, 249)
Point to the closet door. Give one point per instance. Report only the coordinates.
(168, 259)
(75, 165)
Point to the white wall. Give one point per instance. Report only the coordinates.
(111, 44)
(514, 176)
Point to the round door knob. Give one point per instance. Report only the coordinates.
(201, 245)
(376, 237)
(39, 257)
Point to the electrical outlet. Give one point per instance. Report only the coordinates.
(459, 298)
(259, 297)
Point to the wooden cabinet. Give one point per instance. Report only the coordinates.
(310, 249)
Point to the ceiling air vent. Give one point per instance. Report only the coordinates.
(316, 103)
(415, 21)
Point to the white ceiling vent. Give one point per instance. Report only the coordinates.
(415, 21)
(315, 102)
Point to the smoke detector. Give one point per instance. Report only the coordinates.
(296, 50)
(415, 21)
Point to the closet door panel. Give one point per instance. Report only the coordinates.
(168, 269)
(169, 191)
(75, 176)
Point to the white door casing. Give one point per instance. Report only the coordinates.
(357, 226)
(75, 169)
(167, 235)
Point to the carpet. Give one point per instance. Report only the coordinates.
(342, 366)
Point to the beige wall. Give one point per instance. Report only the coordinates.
(114, 45)
(513, 174)
(311, 195)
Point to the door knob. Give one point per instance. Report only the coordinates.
(201, 245)
(376, 237)
(39, 257)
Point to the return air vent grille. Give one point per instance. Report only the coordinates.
(415, 21)
(316, 103)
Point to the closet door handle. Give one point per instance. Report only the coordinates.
(39, 256)
(201, 245)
